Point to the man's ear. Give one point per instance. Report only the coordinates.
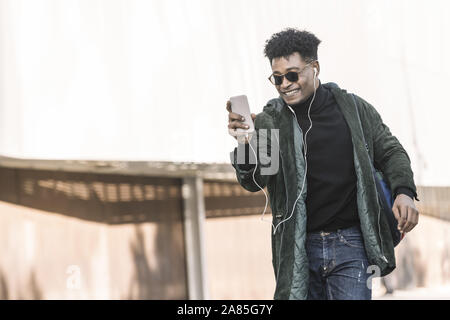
(317, 66)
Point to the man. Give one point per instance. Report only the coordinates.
(329, 234)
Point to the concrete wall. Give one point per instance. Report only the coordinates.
(239, 258)
(50, 256)
(423, 256)
(86, 236)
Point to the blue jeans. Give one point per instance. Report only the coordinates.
(337, 265)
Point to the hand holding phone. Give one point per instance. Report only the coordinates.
(240, 120)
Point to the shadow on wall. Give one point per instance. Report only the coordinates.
(417, 268)
(31, 292)
(411, 271)
(4, 291)
(141, 282)
(165, 277)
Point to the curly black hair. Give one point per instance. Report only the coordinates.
(290, 40)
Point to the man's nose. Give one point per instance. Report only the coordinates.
(286, 83)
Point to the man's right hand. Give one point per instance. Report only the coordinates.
(235, 121)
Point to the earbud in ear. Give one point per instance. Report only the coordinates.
(315, 71)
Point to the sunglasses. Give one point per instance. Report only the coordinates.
(291, 76)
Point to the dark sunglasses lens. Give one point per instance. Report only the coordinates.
(292, 76)
(277, 80)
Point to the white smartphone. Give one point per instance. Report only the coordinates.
(239, 105)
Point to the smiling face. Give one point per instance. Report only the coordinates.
(295, 92)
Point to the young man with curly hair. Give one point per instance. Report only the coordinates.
(329, 235)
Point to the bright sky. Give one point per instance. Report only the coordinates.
(148, 80)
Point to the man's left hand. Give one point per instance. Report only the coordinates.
(405, 212)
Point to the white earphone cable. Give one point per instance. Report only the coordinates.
(254, 180)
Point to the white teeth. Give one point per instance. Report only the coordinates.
(290, 93)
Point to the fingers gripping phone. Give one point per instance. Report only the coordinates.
(239, 105)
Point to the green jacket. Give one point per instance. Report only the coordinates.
(289, 257)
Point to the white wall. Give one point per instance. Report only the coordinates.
(148, 80)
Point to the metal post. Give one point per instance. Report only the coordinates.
(194, 218)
